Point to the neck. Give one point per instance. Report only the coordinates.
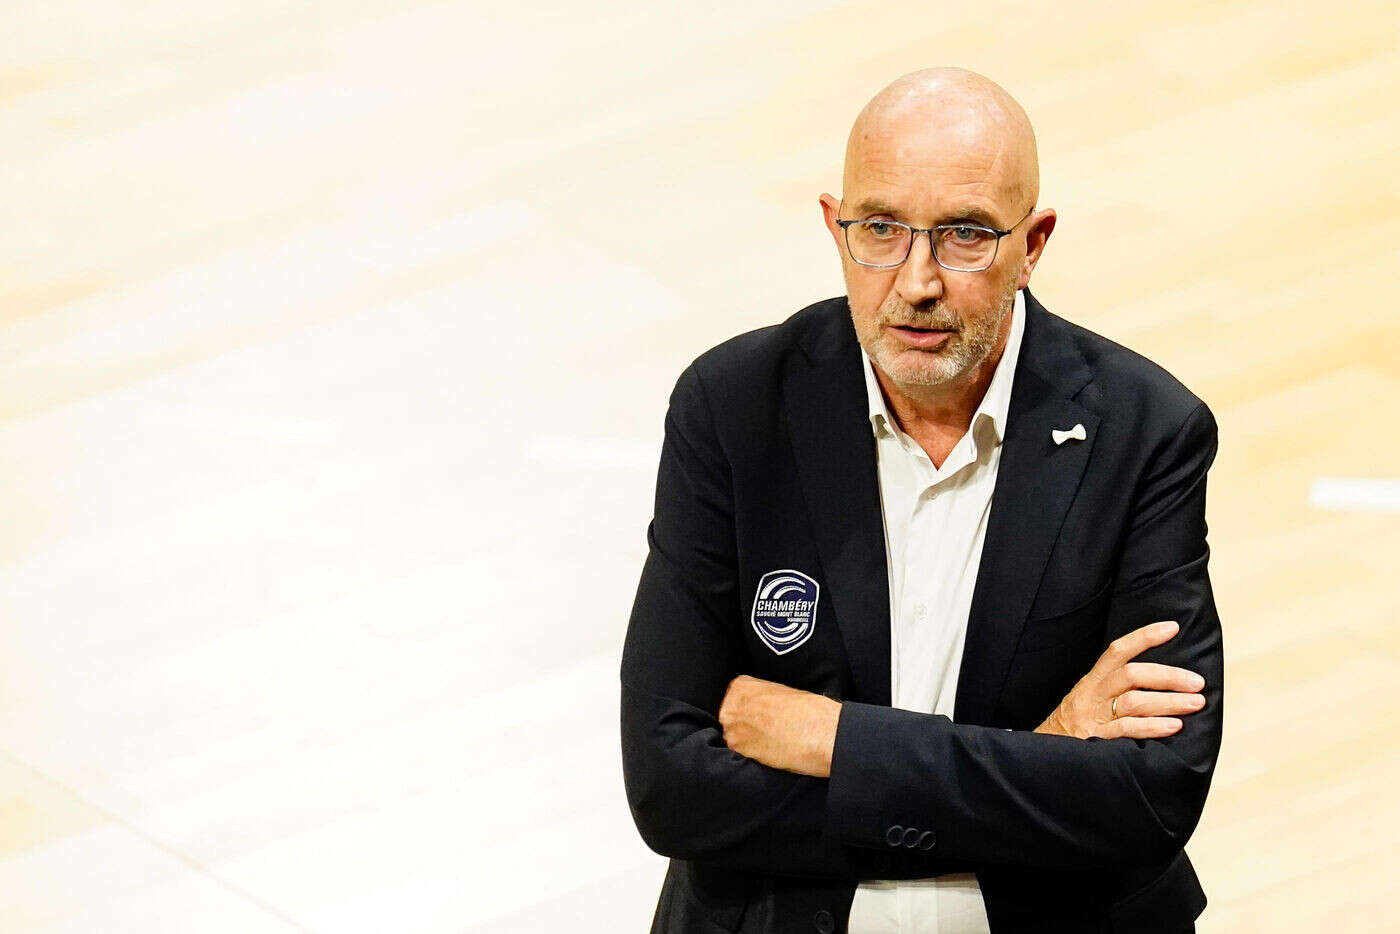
(946, 406)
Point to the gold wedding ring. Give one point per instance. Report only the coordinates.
(1113, 707)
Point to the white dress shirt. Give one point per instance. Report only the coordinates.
(935, 520)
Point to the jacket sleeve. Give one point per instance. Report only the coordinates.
(692, 797)
(1028, 799)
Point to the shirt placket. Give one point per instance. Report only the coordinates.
(921, 477)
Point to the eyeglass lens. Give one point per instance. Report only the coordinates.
(882, 243)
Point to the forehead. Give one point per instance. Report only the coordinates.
(925, 172)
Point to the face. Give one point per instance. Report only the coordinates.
(924, 325)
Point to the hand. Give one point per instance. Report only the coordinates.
(780, 726)
(1142, 714)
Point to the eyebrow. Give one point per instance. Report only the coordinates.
(868, 206)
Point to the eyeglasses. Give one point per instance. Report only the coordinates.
(884, 244)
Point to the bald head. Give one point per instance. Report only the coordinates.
(950, 120)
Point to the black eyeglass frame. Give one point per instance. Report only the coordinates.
(845, 225)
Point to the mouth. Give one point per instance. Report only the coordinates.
(920, 337)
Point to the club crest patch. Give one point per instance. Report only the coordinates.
(785, 609)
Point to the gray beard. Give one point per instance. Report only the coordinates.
(949, 364)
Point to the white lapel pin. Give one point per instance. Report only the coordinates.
(1077, 432)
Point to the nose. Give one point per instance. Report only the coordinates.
(920, 279)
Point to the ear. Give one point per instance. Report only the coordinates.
(1042, 223)
(831, 210)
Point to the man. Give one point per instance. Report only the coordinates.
(925, 639)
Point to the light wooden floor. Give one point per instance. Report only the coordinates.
(336, 339)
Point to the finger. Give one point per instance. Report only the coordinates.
(1158, 704)
(1152, 676)
(1141, 727)
(1133, 644)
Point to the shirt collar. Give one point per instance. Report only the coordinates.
(996, 401)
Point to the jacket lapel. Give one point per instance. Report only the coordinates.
(824, 397)
(1036, 482)
(825, 402)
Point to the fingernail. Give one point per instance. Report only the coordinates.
(1167, 626)
(1196, 681)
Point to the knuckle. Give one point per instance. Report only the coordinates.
(1129, 704)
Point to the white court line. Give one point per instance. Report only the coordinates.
(1372, 494)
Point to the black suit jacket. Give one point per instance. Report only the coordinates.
(769, 463)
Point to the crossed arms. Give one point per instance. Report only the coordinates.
(992, 796)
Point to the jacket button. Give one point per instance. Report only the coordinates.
(825, 923)
(926, 840)
(894, 835)
(911, 837)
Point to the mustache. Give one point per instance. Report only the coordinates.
(912, 319)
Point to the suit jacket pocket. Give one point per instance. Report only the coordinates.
(721, 894)
(1077, 622)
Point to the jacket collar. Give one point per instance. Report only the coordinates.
(828, 417)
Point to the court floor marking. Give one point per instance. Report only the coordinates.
(1372, 494)
(159, 844)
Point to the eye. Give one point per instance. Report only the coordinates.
(965, 235)
(881, 229)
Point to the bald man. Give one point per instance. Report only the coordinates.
(925, 639)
